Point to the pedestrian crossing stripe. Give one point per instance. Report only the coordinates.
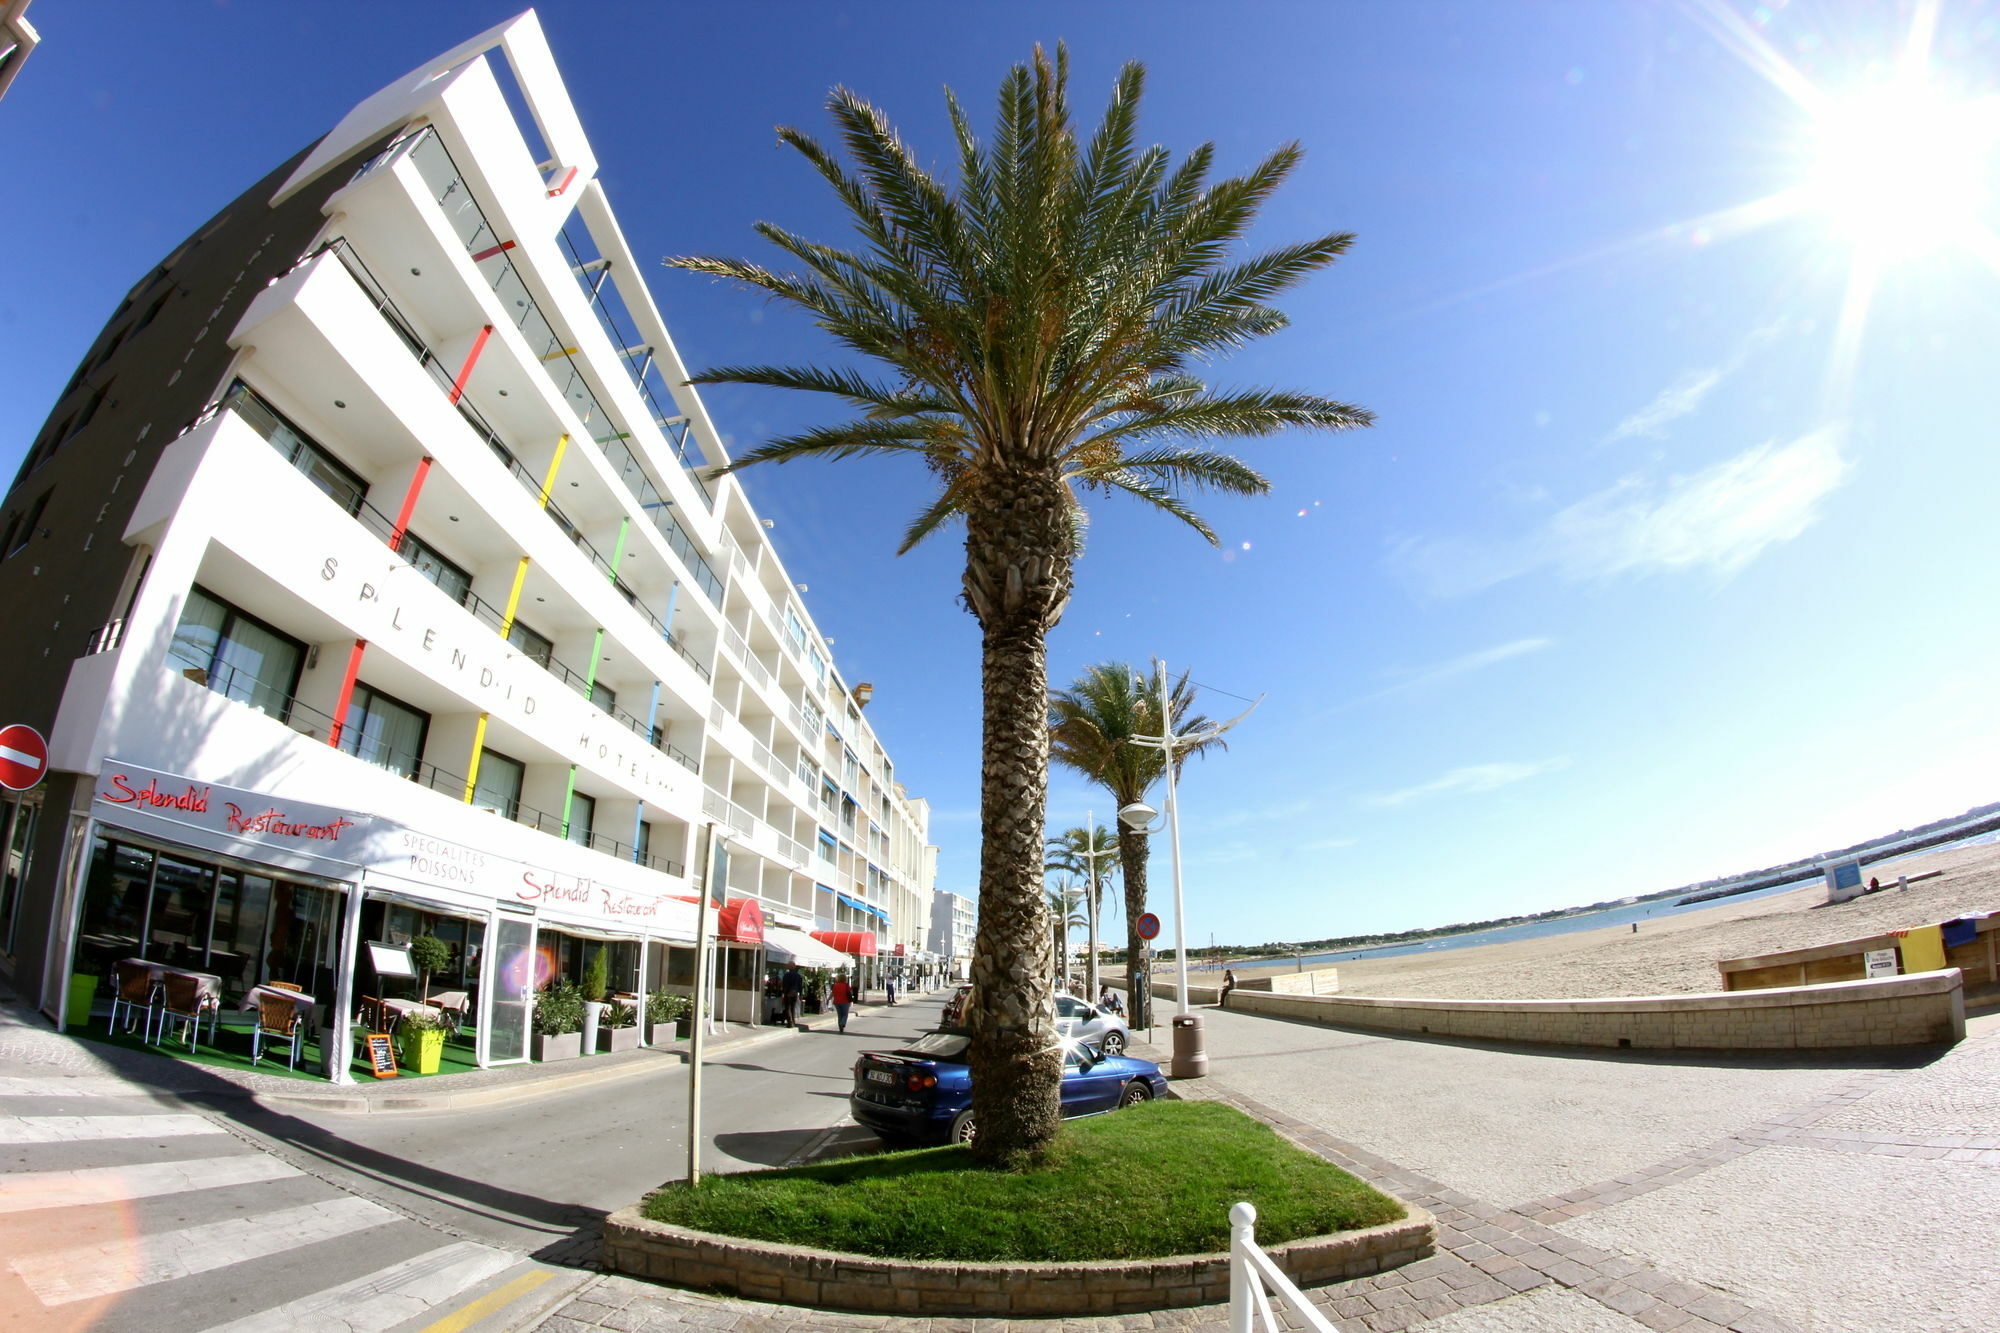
(385, 1299)
(74, 1085)
(26, 1191)
(82, 1272)
(84, 1128)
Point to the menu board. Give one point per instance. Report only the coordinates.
(381, 1055)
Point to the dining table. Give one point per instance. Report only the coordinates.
(208, 986)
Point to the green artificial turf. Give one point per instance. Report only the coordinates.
(1151, 1181)
(229, 1048)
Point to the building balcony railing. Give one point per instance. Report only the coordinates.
(557, 359)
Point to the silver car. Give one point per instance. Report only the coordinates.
(1086, 1023)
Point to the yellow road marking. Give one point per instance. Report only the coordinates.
(465, 1318)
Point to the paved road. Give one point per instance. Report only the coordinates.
(1613, 1192)
(133, 1197)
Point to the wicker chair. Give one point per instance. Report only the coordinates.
(277, 1021)
(285, 985)
(183, 1006)
(136, 990)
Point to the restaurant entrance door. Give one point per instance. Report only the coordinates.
(509, 992)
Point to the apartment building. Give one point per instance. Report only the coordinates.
(372, 579)
(954, 923)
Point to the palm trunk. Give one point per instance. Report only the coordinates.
(1132, 863)
(1017, 580)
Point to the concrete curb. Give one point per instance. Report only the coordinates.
(825, 1279)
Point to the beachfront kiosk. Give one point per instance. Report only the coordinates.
(1843, 880)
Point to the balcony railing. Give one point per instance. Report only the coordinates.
(558, 360)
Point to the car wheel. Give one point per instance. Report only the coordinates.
(962, 1128)
(1113, 1043)
(1135, 1092)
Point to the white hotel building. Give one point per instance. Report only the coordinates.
(382, 586)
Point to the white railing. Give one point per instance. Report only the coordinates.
(1254, 1280)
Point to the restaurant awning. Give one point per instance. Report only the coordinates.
(856, 943)
(785, 945)
(741, 921)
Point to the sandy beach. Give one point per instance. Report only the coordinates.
(1678, 954)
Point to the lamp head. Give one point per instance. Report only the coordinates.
(1137, 816)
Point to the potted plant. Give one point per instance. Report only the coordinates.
(595, 983)
(666, 1016)
(422, 1038)
(430, 954)
(621, 1028)
(558, 1022)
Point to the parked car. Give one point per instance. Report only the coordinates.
(954, 1008)
(922, 1092)
(1092, 1026)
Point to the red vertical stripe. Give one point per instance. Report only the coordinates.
(346, 692)
(471, 360)
(409, 504)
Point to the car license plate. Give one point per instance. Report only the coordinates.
(880, 1076)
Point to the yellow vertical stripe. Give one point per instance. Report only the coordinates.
(549, 481)
(514, 598)
(472, 764)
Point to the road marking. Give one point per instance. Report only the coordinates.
(84, 1271)
(83, 1128)
(24, 1191)
(386, 1299)
(460, 1320)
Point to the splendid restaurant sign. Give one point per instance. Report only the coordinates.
(230, 817)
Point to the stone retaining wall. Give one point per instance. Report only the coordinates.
(1921, 1009)
(794, 1275)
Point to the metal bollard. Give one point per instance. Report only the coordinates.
(1190, 1048)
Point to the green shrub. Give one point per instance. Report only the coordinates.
(666, 1007)
(620, 1016)
(595, 976)
(430, 954)
(558, 1009)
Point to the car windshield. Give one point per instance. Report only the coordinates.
(947, 1046)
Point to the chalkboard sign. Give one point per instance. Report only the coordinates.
(381, 1055)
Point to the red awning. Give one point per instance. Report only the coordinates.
(853, 943)
(741, 922)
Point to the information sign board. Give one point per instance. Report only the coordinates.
(1882, 963)
(381, 1055)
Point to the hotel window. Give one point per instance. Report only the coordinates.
(499, 785)
(535, 647)
(582, 814)
(384, 732)
(340, 483)
(236, 655)
(826, 847)
(643, 853)
(18, 542)
(450, 579)
(603, 696)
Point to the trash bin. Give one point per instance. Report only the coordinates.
(82, 990)
(1190, 1048)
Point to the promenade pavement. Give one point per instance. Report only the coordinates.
(1583, 1192)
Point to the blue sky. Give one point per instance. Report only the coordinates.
(1671, 555)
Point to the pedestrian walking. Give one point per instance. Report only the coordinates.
(843, 999)
(793, 986)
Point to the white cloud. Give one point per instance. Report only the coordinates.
(1459, 666)
(1720, 518)
(1686, 394)
(1677, 400)
(1469, 779)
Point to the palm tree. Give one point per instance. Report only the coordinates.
(1036, 324)
(1063, 918)
(1091, 725)
(1092, 853)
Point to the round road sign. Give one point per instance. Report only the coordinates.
(1149, 926)
(24, 757)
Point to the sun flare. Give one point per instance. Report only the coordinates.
(1902, 169)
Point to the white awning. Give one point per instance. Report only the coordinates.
(795, 946)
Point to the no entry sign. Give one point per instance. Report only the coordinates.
(1149, 925)
(24, 757)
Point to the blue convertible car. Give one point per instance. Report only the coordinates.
(923, 1091)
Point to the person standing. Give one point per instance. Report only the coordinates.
(843, 999)
(793, 986)
(890, 982)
